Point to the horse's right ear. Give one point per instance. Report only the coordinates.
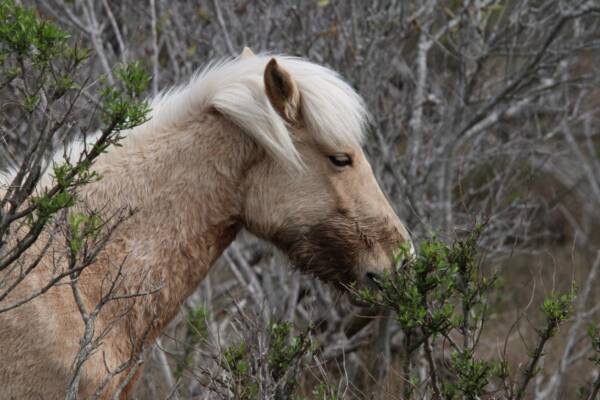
(282, 92)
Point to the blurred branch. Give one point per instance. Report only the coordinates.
(224, 30)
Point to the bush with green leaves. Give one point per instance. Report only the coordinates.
(197, 332)
(440, 299)
(48, 94)
(266, 363)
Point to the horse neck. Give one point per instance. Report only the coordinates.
(185, 183)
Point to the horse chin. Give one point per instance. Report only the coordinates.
(338, 279)
(340, 282)
(344, 283)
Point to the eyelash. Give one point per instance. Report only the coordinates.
(341, 160)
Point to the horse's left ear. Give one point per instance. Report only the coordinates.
(282, 92)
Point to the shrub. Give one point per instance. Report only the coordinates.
(440, 299)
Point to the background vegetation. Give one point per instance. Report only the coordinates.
(484, 136)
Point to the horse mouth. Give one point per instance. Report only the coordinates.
(373, 281)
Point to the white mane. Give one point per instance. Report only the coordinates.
(334, 113)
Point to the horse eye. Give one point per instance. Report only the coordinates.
(341, 160)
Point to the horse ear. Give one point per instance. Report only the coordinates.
(282, 92)
(246, 53)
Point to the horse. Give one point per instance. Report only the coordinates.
(268, 143)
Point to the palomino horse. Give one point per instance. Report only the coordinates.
(267, 143)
